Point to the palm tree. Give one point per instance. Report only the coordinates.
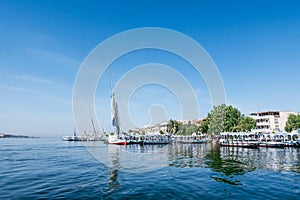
(172, 126)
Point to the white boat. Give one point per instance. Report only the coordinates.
(290, 139)
(239, 139)
(72, 138)
(271, 140)
(115, 138)
(191, 142)
(155, 139)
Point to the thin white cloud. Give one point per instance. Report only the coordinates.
(30, 78)
(43, 96)
(21, 89)
(54, 57)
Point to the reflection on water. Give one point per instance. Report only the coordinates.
(229, 162)
(113, 174)
(296, 167)
(188, 155)
(278, 159)
(52, 169)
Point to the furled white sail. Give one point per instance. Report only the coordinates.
(115, 114)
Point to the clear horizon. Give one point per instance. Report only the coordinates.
(255, 46)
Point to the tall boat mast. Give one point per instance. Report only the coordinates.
(115, 115)
(74, 132)
(114, 111)
(94, 129)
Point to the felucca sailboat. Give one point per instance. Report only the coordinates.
(115, 138)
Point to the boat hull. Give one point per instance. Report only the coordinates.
(245, 145)
(192, 142)
(113, 139)
(272, 145)
(118, 143)
(154, 142)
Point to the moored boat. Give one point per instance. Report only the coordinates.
(191, 142)
(289, 139)
(246, 140)
(272, 144)
(271, 140)
(74, 137)
(114, 139)
(155, 139)
(71, 138)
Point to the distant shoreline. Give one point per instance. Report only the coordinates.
(2, 135)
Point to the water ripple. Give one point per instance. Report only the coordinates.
(52, 169)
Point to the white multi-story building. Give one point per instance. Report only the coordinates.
(270, 121)
(156, 129)
(193, 121)
(163, 127)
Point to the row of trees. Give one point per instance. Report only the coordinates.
(221, 118)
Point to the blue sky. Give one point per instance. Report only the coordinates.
(255, 45)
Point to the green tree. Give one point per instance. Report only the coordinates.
(225, 118)
(232, 118)
(191, 129)
(293, 123)
(181, 129)
(172, 126)
(216, 119)
(245, 124)
(204, 126)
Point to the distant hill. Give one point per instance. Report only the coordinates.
(3, 135)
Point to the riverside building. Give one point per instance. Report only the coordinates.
(270, 121)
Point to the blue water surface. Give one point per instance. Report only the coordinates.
(48, 168)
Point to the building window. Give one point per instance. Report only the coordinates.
(276, 121)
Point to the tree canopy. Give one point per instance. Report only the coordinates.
(220, 118)
(226, 118)
(245, 124)
(293, 123)
(232, 118)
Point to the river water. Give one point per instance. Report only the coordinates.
(47, 168)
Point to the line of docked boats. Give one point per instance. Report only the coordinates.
(140, 139)
(155, 139)
(255, 140)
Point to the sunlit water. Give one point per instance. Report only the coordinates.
(53, 169)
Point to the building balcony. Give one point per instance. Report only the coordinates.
(262, 123)
(262, 130)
